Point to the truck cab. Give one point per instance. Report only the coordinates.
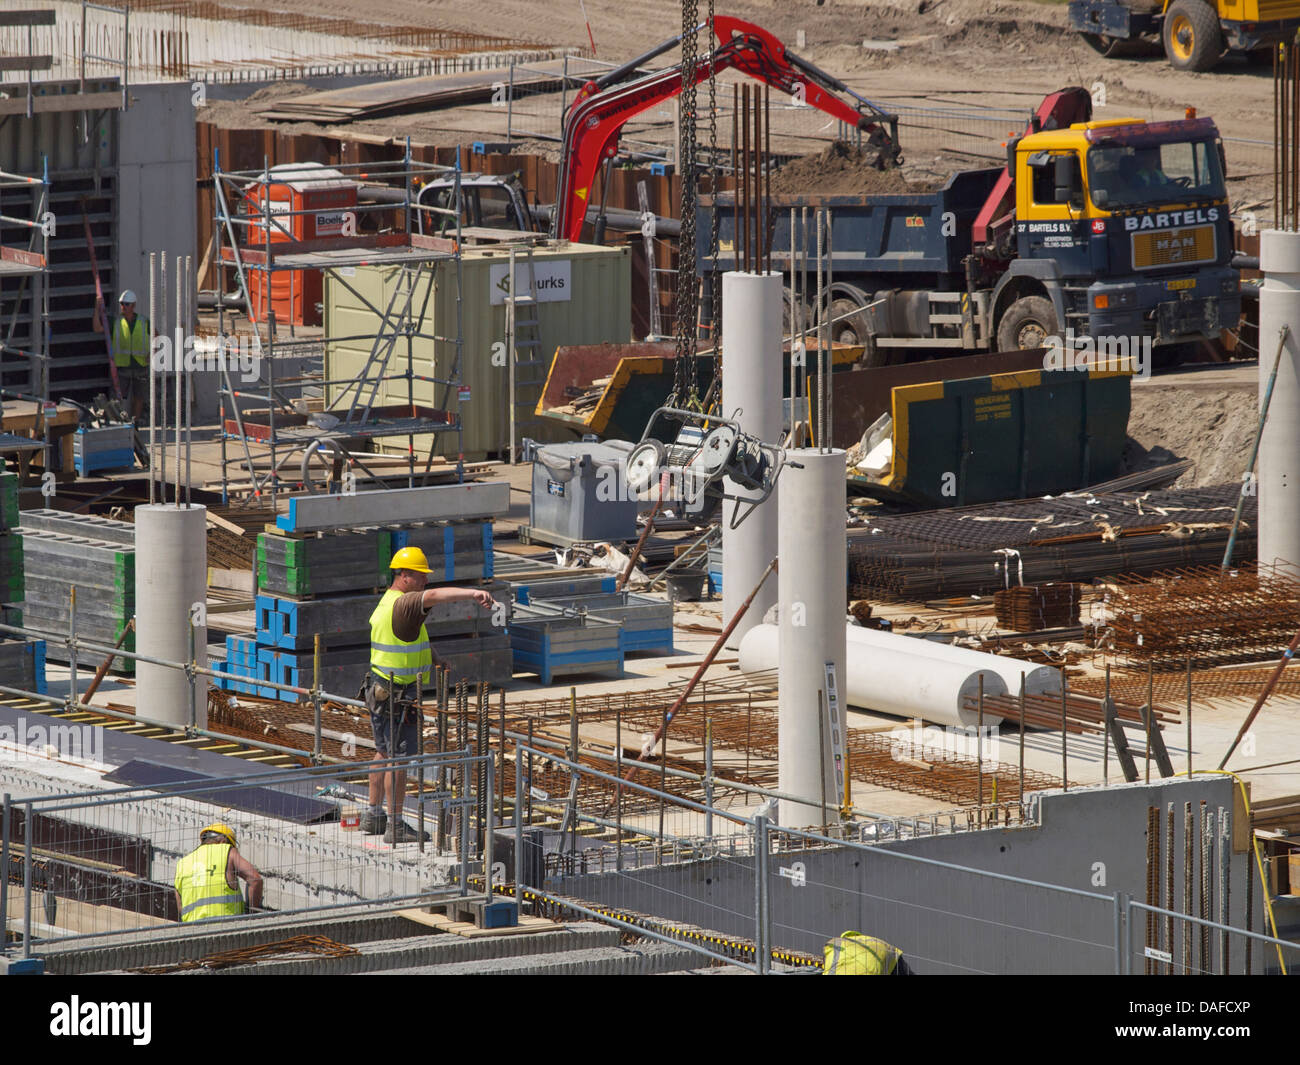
(1124, 226)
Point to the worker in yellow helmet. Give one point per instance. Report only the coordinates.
(130, 334)
(206, 877)
(400, 661)
(853, 954)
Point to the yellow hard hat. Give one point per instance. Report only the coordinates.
(410, 558)
(220, 830)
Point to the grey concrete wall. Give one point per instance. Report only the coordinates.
(156, 174)
(946, 921)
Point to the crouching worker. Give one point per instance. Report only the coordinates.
(853, 954)
(206, 878)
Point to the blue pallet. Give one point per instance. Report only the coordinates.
(715, 581)
(36, 648)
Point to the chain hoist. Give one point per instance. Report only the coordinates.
(715, 180)
(685, 383)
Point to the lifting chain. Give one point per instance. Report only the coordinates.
(715, 180)
(685, 384)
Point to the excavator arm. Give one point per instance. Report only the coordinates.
(601, 109)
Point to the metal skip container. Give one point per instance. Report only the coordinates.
(579, 493)
(584, 296)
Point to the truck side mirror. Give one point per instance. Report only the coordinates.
(1068, 178)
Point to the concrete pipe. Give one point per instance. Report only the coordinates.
(1279, 447)
(810, 581)
(751, 376)
(171, 575)
(1039, 680)
(893, 682)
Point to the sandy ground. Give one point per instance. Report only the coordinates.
(1005, 53)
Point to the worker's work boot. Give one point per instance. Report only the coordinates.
(404, 833)
(373, 823)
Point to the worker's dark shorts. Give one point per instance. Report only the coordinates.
(134, 381)
(404, 717)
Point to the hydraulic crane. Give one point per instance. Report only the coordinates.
(604, 106)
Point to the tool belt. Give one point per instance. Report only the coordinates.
(374, 692)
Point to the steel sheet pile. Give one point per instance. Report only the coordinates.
(1077, 537)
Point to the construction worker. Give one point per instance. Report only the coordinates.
(205, 878)
(853, 954)
(401, 660)
(130, 351)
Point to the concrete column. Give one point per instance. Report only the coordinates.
(1279, 448)
(171, 575)
(812, 578)
(751, 382)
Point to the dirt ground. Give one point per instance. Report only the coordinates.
(1003, 53)
(1207, 416)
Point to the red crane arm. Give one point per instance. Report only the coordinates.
(1058, 110)
(591, 128)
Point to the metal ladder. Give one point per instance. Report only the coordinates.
(523, 352)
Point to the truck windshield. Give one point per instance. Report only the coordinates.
(1137, 175)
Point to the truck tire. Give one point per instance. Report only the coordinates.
(1192, 35)
(1027, 324)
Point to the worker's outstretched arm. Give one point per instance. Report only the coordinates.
(245, 870)
(443, 595)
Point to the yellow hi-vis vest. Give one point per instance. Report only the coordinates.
(201, 882)
(131, 342)
(389, 655)
(854, 954)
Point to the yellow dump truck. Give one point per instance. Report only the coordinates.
(1196, 34)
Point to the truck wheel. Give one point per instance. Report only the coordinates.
(1027, 324)
(848, 327)
(1192, 35)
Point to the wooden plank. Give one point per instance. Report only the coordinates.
(22, 255)
(332, 734)
(221, 523)
(28, 17)
(86, 101)
(73, 915)
(442, 923)
(25, 62)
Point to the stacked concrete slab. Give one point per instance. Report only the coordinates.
(62, 551)
(22, 662)
(328, 583)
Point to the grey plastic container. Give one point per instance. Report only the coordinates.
(579, 492)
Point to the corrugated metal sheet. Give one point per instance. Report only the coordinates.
(598, 311)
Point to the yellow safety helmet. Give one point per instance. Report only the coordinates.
(220, 830)
(411, 558)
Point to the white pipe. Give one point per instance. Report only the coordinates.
(893, 682)
(811, 581)
(171, 570)
(751, 383)
(1279, 447)
(1039, 680)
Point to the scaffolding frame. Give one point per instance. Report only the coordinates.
(416, 256)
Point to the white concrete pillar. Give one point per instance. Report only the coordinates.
(751, 382)
(171, 576)
(811, 585)
(1279, 448)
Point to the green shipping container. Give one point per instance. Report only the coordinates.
(584, 297)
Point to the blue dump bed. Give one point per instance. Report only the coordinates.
(908, 233)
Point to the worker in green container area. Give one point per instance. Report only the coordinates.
(853, 954)
(206, 878)
(401, 661)
(130, 351)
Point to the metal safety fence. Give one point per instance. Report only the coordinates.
(734, 887)
(103, 861)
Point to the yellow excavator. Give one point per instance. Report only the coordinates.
(1196, 34)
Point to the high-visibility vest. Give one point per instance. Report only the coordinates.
(854, 954)
(131, 342)
(390, 656)
(201, 883)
